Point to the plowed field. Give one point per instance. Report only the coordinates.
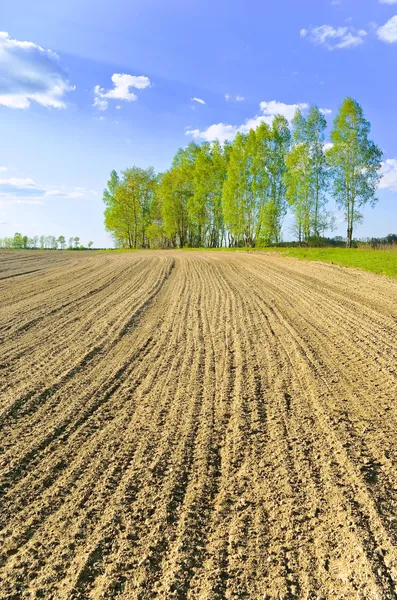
(196, 425)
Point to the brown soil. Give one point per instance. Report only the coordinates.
(198, 426)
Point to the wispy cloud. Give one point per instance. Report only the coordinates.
(388, 1)
(335, 38)
(20, 201)
(230, 98)
(123, 84)
(3, 169)
(29, 73)
(389, 175)
(27, 191)
(269, 109)
(198, 100)
(388, 31)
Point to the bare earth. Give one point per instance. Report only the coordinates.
(196, 425)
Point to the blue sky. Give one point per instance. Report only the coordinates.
(86, 87)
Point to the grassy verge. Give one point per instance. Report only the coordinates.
(383, 262)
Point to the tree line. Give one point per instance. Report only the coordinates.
(238, 194)
(42, 242)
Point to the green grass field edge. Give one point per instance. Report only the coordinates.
(381, 262)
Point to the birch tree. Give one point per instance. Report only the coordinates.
(355, 161)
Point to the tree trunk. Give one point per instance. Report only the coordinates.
(349, 236)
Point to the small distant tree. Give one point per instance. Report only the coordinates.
(18, 241)
(33, 242)
(52, 243)
(90, 245)
(70, 244)
(62, 242)
(76, 241)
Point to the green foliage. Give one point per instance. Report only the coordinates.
(307, 175)
(238, 194)
(297, 182)
(18, 241)
(128, 200)
(355, 161)
(280, 140)
(44, 242)
(205, 204)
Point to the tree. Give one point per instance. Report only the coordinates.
(319, 171)
(176, 190)
(236, 194)
(52, 242)
(220, 158)
(205, 204)
(276, 207)
(18, 241)
(198, 202)
(260, 177)
(128, 200)
(355, 161)
(70, 245)
(90, 245)
(62, 242)
(297, 183)
(306, 178)
(33, 242)
(76, 241)
(7, 242)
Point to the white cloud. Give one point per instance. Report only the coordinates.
(198, 100)
(389, 175)
(325, 111)
(224, 132)
(388, 31)
(335, 38)
(26, 190)
(230, 98)
(26, 202)
(29, 73)
(273, 108)
(118, 107)
(328, 146)
(20, 187)
(122, 90)
(100, 103)
(219, 132)
(3, 169)
(388, 1)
